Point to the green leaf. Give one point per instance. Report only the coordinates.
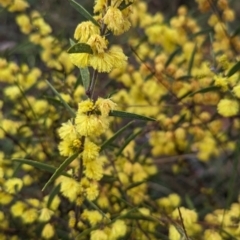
(71, 111)
(122, 114)
(98, 209)
(234, 69)
(172, 55)
(128, 140)
(85, 77)
(110, 140)
(39, 165)
(133, 185)
(72, 42)
(192, 60)
(60, 169)
(124, 5)
(80, 48)
(83, 12)
(52, 194)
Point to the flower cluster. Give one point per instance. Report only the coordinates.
(78, 135)
(103, 58)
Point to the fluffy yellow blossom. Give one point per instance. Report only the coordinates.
(68, 147)
(221, 82)
(94, 217)
(85, 106)
(92, 191)
(173, 233)
(90, 152)
(98, 43)
(5, 198)
(118, 229)
(116, 21)
(69, 188)
(48, 231)
(105, 106)
(13, 185)
(85, 30)
(67, 130)
(228, 107)
(81, 60)
(91, 125)
(94, 169)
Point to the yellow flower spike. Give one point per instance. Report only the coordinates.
(228, 107)
(85, 30)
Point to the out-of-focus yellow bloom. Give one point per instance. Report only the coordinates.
(45, 215)
(13, 185)
(98, 235)
(228, 107)
(236, 91)
(221, 82)
(18, 208)
(211, 234)
(48, 231)
(118, 229)
(24, 23)
(18, 6)
(30, 215)
(92, 191)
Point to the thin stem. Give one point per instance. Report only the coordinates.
(91, 88)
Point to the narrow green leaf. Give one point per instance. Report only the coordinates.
(60, 169)
(16, 169)
(98, 209)
(122, 114)
(71, 111)
(72, 42)
(83, 12)
(128, 140)
(52, 194)
(80, 48)
(85, 77)
(110, 140)
(135, 184)
(234, 69)
(39, 165)
(205, 90)
(192, 60)
(172, 55)
(124, 5)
